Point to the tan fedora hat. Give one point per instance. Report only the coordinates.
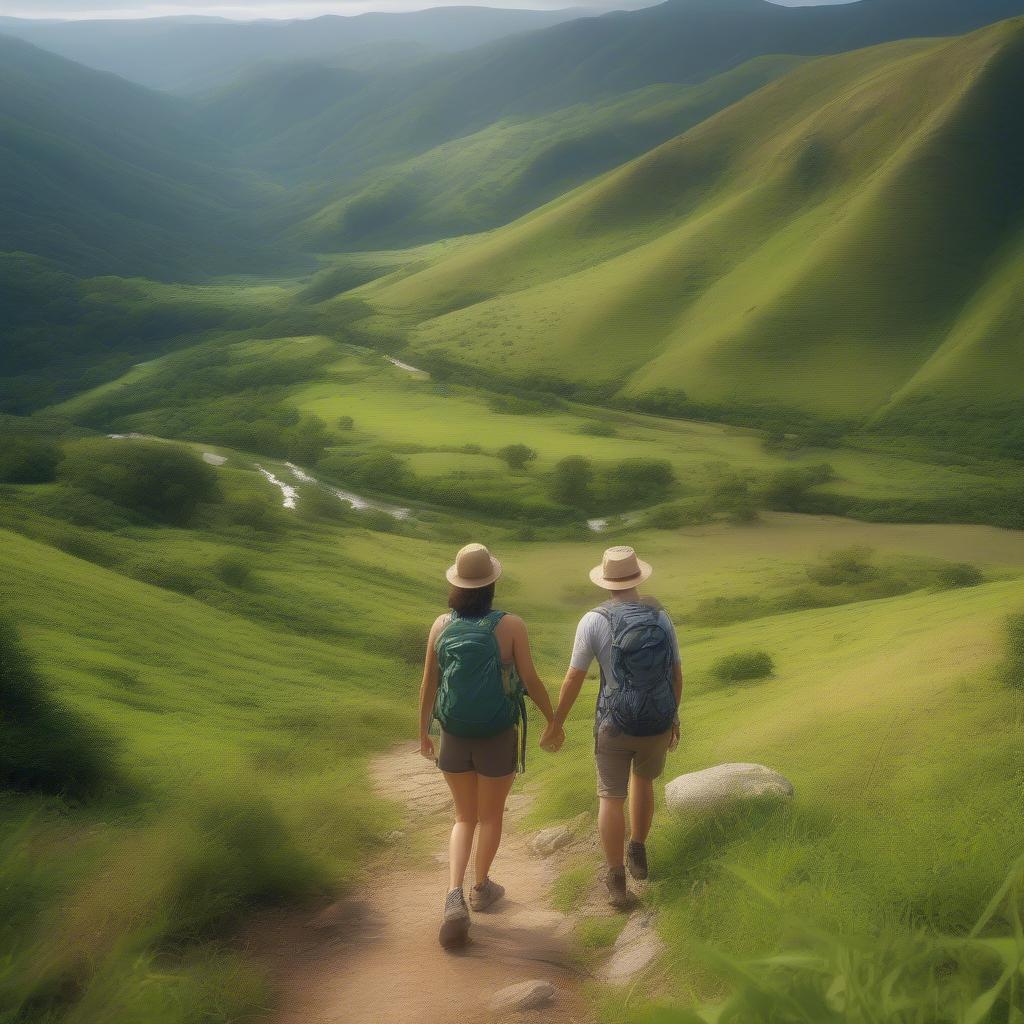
(474, 567)
(620, 569)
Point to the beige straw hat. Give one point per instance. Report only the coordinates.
(620, 569)
(474, 567)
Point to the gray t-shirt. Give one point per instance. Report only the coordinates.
(594, 640)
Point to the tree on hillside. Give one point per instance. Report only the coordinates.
(570, 483)
(638, 481)
(163, 482)
(28, 461)
(517, 456)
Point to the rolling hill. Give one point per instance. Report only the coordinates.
(843, 242)
(515, 165)
(106, 177)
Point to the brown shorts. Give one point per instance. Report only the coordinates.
(618, 753)
(494, 756)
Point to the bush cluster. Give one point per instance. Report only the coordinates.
(743, 666)
(165, 483)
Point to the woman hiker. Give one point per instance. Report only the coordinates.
(478, 666)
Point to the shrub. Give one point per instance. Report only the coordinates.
(638, 480)
(789, 489)
(673, 517)
(517, 456)
(255, 513)
(954, 575)
(846, 565)
(306, 441)
(234, 570)
(28, 461)
(319, 503)
(44, 746)
(570, 483)
(345, 422)
(163, 482)
(743, 666)
(732, 497)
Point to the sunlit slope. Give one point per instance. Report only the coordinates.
(513, 166)
(815, 246)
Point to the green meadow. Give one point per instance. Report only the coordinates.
(245, 666)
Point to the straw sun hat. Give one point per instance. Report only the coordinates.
(620, 569)
(474, 567)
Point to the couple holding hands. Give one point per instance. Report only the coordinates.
(478, 671)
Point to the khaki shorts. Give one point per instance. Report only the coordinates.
(493, 756)
(617, 754)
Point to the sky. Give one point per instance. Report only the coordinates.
(247, 9)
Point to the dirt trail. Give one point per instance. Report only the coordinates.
(375, 957)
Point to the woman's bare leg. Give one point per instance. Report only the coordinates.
(490, 804)
(464, 791)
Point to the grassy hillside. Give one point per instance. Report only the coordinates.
(839, 242)
(515, 165)
(106, 177)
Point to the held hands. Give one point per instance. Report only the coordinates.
(427, 748)
(553, 738)
(674, 742)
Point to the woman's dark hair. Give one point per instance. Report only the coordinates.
(472, 603)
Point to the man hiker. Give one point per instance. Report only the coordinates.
(637, 720)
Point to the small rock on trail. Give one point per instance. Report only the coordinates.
(636, 948)
(550, 840)
(527, 995)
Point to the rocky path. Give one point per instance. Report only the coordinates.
(375, 957)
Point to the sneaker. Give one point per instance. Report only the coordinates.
(619, 895)
(485, 895)
(455, 926)
(636, 860)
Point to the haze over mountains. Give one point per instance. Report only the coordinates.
(796, 203)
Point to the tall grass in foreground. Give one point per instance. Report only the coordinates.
(919, 978)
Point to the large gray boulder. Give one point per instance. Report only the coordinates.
(718, 787)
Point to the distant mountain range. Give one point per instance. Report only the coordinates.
(190, 54)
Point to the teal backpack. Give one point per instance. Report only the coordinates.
(476, 696)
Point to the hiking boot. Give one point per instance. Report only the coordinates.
(485, 895)
(619, 895)
(455, 926)
(636, 861)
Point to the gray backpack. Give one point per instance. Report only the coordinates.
(640, 699)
